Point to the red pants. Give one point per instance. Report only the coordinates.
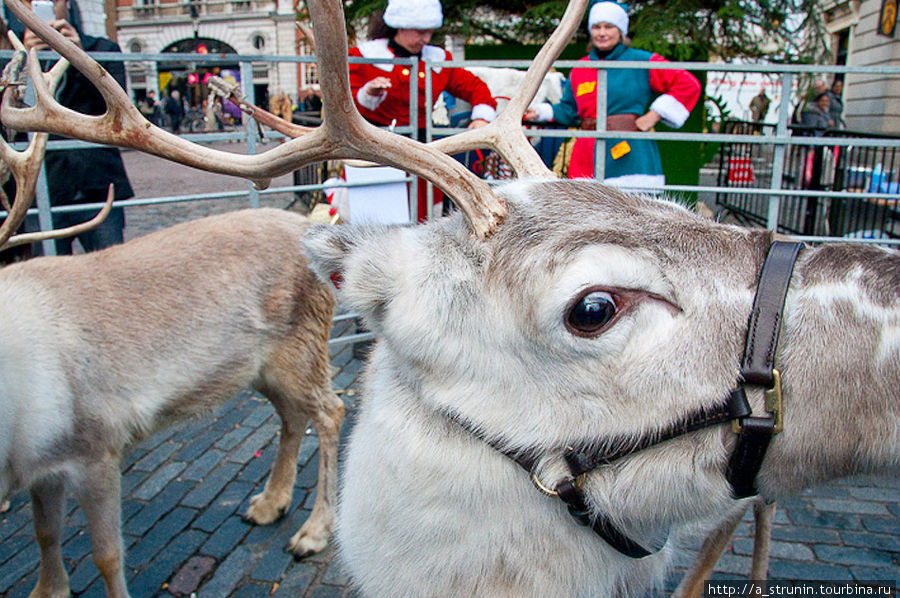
(437, 202)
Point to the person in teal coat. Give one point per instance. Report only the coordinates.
(637, 99)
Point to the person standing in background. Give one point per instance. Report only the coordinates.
(81, 176)
(381, 90)
(759, 106)
(636, 101)
(836, 104)
(174, 109)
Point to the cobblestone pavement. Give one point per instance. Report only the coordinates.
(185, 488)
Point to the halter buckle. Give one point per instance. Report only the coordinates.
(579, 483)
(773, 401)
(773, 406)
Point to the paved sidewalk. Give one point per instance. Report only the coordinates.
(185, 488)
(184, 491)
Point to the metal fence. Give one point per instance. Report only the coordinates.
(868, 172)
(842, 184)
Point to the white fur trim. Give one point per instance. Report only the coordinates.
(433, 54)
(638, 183)
(369, 101)
(414, 14)
(484, 112)
(672, 111)
(544, 112)
(377, 48)
(609, 12)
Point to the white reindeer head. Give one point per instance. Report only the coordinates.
(590, 313)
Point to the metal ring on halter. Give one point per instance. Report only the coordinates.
(579, 483)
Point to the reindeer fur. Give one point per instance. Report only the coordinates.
(476, 327)
(99, 350)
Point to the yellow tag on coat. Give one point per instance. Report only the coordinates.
(620, 149)
(586, 87)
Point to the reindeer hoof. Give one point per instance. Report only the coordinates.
(264, 512)
(298, 556)
(302, 546)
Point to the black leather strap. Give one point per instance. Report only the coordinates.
(768, 307)
(583, 459)
(757, 368)
(569, 492)
(748, 455)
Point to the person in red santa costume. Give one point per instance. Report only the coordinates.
(381, 90)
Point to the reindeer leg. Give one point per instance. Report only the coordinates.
(100, 499)
(316, 531)
(48, 502)
(692, 584)
(763, 513)
(275, 499)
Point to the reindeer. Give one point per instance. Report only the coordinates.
(99, 350)
(566, 336)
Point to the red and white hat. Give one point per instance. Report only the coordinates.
(414, 14)
(609, 12)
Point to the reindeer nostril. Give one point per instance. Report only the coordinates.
(591, 313)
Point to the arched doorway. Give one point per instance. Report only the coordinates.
(190, 79)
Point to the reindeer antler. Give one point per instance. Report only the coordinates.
(222, 88)
(26, 165)
(344, 133)
(505, 135)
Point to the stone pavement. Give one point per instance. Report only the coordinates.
(185, 488)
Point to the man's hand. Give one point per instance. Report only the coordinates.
(31, 40)
(377, 86)
(645, 122)
(477, 123)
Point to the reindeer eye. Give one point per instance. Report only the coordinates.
(591, 313)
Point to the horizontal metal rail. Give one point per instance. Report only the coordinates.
(781, 138)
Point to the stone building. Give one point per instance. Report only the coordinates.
(864, 33)
(243, 27)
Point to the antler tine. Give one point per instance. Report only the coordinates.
(221, 88)
(483, 210)
(123, 124)
(26, 165)
(344, 133)
(505, 134)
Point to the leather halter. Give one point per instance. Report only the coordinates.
(754, 432)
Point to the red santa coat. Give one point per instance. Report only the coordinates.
(393, 105)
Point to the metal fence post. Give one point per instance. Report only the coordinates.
(414, 125)
(249, 122)
(42, 190)
(779, 151)
(600, 142)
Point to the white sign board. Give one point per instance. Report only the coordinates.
(379, 202)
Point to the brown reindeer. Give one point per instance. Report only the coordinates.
(99, 350)
(559, 320)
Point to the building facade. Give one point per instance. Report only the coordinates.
(864, 33)
(243, 27)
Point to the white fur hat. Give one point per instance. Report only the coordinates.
(414, 14)
(609, 12)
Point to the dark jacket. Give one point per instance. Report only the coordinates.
(90, 170)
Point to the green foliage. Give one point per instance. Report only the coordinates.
(777, 30)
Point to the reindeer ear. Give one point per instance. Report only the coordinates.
(326, 247)
(361, 261)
